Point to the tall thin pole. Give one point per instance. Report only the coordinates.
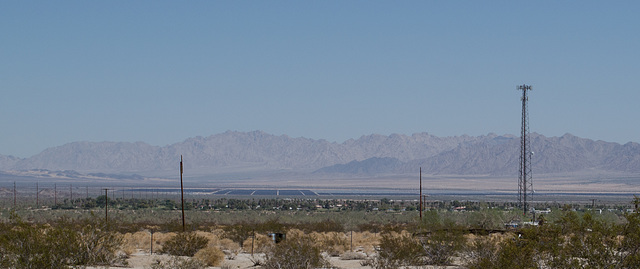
(71, 193)
(55, 194)
(106, 208)
(420, 193)
(182, 193)
(37, 195)
(14, 194)
(151, 242)
(525, 186)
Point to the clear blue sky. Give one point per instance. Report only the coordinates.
(163, 71)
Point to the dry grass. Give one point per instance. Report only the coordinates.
(334, 243)
(212, 256)
(365, 242)
(261, 244)
(132, 242)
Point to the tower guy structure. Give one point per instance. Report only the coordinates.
(525, 185)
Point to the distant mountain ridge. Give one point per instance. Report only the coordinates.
(372, 154)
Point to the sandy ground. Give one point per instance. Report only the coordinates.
(142, 260)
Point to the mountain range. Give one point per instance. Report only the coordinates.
(235, 152)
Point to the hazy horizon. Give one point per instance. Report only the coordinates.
(317, 139)
(161, 72)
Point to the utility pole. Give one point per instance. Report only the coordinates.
(106, 209)
(37, 195)
(182, 193)
(151, 231)
(14, 195)
(420, 194)
(525, 185)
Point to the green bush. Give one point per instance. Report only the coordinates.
(440, 246)
(481, 253)
(97, 245)
(398, 250)
(59, 245)
(295, 253)
(630, 245)
(185, 244)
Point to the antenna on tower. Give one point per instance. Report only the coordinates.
(525, 185)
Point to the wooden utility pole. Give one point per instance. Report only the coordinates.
(151, 252)
(182, 193)
(421, 194)
(106, 209)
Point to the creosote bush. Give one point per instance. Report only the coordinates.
(184, 244)
(397, 250)
(296, 252)
(440, 246)
(211, 256)
(61, 244)
(261, 243)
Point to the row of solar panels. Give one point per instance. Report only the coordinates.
(263, 192)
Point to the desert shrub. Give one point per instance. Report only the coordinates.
(365, 241)
(295, 253)
(371, 227)
(60, 245)
(261, 244)
(331, 242)
(398, 250)
(630, 243)
(99, 246)
(324, 226)
(212, 237)
(516, 253)
(485, 219)
(440, 246)
(481, 252)
(228, 244)
(239, 232)
(179, 263)
(211, 256)
(25, 245)
(134, 241)
(161, 238)
(184, 244)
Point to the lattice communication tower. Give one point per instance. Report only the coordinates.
(525, 184)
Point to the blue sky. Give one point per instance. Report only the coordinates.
(163, 71)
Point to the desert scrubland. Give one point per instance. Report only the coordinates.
(381, 233)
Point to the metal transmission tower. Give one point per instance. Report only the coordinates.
(525, 185)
